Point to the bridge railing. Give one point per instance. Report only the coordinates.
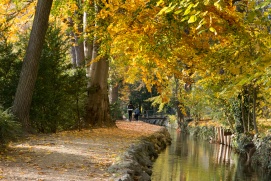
(152, 114)
(153, 117)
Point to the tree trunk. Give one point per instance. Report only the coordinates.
(180, 114)
(88, 45)
(97, 111)
(97, 108)
(254, 109)
(28, 76)
(248, 114)
(77, 48)
(115, 93)
(73, 55)
(243, 113)
(72, 49)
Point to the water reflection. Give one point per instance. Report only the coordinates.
(188, 159)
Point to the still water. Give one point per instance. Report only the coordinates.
(189, 159)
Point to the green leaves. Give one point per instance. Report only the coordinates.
(189, 13)
(167, 9)
(192, 14)
(202, 22)
(159, 2)
(178, 12)
(10, 129)
(263, 4)
(211, 29)
(192, 19)
(188, 9)
(217, 5)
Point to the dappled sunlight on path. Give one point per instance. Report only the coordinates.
(70, 155)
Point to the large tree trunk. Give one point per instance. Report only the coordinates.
(88, 45)
(97, 111)
(25, 89)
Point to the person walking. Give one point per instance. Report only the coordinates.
(137, 113)
(130, 109)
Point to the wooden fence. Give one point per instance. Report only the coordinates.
(223, 136)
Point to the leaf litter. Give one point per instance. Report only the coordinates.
(71, 155)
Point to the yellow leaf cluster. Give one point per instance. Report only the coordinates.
(17, 17)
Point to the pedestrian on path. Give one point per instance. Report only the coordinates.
(137, 113)
(130, 109)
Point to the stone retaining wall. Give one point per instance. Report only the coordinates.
(136, 163)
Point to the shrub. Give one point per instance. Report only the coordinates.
(203, 132)
(239, 140)
(10, 68)
(58, 100)
(115, 111)
(10, 129)
(263, 154)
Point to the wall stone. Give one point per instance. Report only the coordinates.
(136, 163)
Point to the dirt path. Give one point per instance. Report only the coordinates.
(71, 155)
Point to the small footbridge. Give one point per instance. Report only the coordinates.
(152, 117)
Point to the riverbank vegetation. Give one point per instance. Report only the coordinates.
(255, 148)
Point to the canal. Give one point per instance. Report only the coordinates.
(190, 159)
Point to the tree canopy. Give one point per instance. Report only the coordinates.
(206, 54)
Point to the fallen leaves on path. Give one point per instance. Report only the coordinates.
(71, 155)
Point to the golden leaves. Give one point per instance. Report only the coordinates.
(17, 17)
(152, 35)
(84, 155)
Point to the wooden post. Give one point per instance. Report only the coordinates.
(220, 153)
(224, 138)
(224, 153)
(229, 140)
(227, 153)
(215, 130)
(218, 135)
(221, 136)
